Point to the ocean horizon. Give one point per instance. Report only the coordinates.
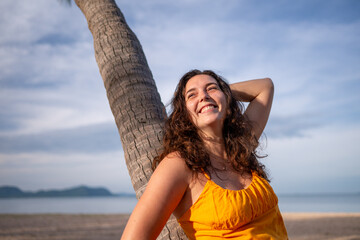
(334, 203)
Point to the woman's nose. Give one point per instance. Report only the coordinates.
(204, 96)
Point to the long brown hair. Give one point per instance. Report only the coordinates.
(181, 135)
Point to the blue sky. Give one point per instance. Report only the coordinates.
(57, 130)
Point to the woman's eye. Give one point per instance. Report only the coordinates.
(212, 88)
(190, 96)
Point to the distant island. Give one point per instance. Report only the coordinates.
(80, 191)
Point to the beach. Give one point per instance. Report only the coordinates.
(330, 226)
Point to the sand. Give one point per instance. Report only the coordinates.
(330, 226)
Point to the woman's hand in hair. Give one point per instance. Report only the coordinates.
(259, 92)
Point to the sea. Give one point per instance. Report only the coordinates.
(325, 203)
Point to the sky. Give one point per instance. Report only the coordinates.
(56, 127)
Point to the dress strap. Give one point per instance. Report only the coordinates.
(206, 175)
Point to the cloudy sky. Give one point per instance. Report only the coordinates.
(57, 130)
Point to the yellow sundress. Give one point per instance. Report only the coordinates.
(250, 213)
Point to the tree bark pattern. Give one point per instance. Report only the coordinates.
(133, 97)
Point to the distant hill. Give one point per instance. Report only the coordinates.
(81, 191)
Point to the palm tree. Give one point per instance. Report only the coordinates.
(131, 91)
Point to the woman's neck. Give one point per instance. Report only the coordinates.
(214, 142)
(215, 146)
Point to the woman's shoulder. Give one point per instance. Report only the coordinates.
(173, 162)
(174, 158)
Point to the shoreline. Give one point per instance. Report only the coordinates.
(300, 226)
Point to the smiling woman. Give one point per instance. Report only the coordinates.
(208, 174)
(206, 103)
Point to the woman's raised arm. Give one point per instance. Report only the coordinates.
(161, 197)
(259, 92)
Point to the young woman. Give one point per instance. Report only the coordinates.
(208, 174)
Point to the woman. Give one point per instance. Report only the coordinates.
(208, 174)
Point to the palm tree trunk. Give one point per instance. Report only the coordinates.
(132, 93)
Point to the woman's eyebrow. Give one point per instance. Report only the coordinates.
(212, 83)
(190, 90)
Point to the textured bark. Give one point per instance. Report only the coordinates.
(132, 93)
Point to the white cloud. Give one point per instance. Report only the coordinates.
(48, 86)
(25, 22)
(318, 162)
(34, 171)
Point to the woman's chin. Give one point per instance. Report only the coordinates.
(210, 123)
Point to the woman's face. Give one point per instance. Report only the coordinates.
(205, 101)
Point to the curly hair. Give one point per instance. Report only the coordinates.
(182, 136)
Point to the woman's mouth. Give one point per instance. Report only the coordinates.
(207, 108)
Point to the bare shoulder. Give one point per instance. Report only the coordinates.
(163, 194)
(174, 164)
